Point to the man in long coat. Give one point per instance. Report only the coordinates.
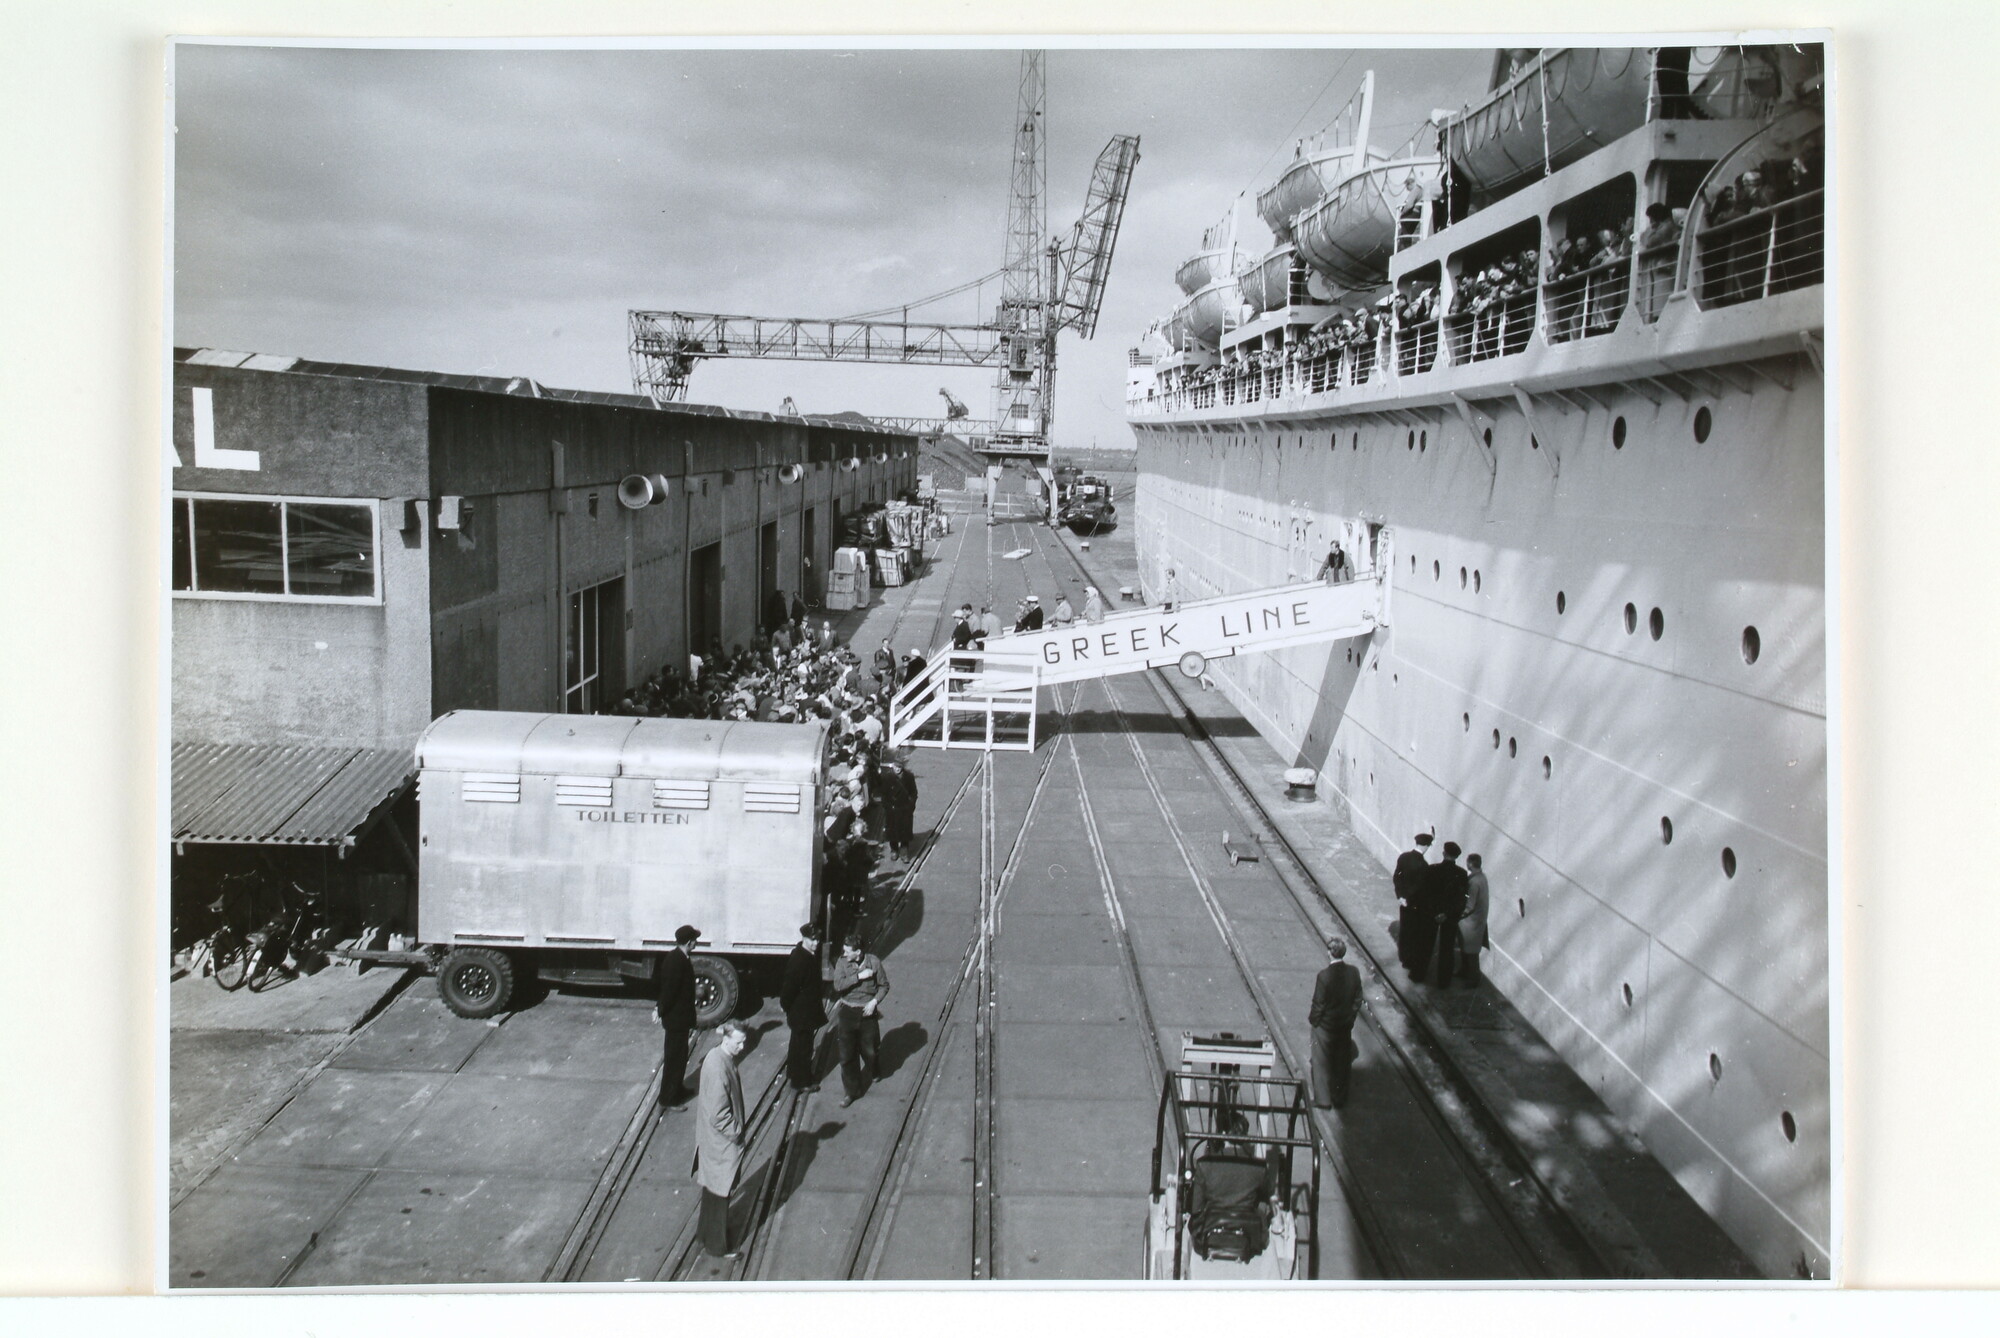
(802, 995)
(676, 1015)
(1445, 885)
(720, 1130)
(1472, 934)
(1413, 927)
(1336, 1003)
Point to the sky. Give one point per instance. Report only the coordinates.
(499, 211)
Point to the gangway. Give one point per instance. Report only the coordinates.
(954, 703)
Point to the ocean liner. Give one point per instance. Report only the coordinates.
(1558, 366)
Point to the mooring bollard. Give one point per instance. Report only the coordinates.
(1301, 784)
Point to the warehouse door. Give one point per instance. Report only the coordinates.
(704, 599)
(809, 555)
(594, 648)
(767, 574)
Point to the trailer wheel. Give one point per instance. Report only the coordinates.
(476, 982)
(716, 991)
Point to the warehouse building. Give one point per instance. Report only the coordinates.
(357, 550)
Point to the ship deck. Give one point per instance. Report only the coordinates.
(1072, 914)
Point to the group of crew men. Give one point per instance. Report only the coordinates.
(1441, 927)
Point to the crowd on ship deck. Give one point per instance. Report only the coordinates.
(1762, 231)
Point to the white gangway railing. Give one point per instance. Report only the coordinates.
(978, 697)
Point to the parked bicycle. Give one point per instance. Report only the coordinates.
(230, 946)
(291, 943)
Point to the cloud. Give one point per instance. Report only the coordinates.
(450, 209)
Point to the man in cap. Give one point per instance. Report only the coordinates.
(676, 1015)
(1336, 1003)
(1413, 925)
(802, 996)
(1031, 616)
(1446, 887)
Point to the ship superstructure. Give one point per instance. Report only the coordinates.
(1556, 366)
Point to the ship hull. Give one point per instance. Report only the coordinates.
(1445, 717)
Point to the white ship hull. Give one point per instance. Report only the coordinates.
(1652, 808)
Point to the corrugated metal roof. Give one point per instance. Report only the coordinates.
(526, 387)
(269, 793)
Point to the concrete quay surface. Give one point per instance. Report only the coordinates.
(415, 1147)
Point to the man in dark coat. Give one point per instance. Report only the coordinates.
(803, 997)
(676, 1015)
(1336, 1003)
(1446, 886)
(1031, 617)
(1413, 927)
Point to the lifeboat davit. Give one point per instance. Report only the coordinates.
(1592, 96)
(1350, 235)
(1309, 179)
(1267, 285)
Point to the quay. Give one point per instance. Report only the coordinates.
(1068, 916)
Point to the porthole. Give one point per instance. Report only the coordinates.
(1666, 831)
(1534, 442)
(1704, 423)
(1496, 738)
(1562, 602)
(1411, 445)
(1656, 623)
(1437, 570)
(1423, 441)
(1475, 580)
(1626, 990)
(1461, 578)
(1753, 645)
(1487, 436)
(1465, 721)
(1371, 778)
(1512, 749)
(1394, 679)
(1618, 433)
(1714, 1067)
(1520, 909)
(1413, 562)
(1548, 767)
(1789, 1125)
(1728, 862)
(1356, 444)
(1631, 619)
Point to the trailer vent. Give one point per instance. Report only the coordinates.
(490, 787)
(770, 798)
(680, 794)
(583, 791)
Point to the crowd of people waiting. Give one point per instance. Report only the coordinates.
(1763, 231)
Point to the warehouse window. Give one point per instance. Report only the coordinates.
(230, 547)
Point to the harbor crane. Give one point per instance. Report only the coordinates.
(1047, 285)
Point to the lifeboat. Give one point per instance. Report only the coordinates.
(1267, 284)
(1350, 235)
(1309, 179)
(1205, 267)
(1206, 313)
(1560, 106)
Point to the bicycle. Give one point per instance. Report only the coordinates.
(293, 933)
(229, 947)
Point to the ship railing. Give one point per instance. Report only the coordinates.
(1657, 280)
(1417, 347)
(1501, 327)
(1588, 302)
(1774, 249)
